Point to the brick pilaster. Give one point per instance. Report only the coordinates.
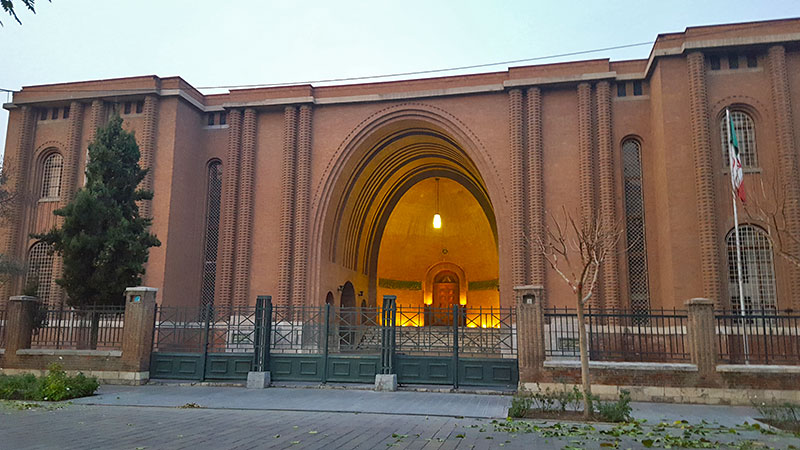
(704, 178)
(284, 296)
(69, 179)
(17, 161)
(586, 160)
(147, 149)
(96, 118)
(607, 182)
(535, 186)
(244, 223)
(302, 205)
(788, 165)
(517, 157)
(230, 186)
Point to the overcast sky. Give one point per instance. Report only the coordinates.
(213, 43)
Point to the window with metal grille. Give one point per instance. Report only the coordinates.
(40, 271)
(745, 134)
(51, 176)
(213, 199)
(634, 226)
(758, 271)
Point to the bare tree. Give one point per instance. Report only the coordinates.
(767, 204)
(8, 198)
(576, 250)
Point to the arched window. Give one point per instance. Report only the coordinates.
(213, 199)
(51, 176)
(758, 271)
(40, 271)
(745, 134)
(634, 226)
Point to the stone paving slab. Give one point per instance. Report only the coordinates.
(287, 399)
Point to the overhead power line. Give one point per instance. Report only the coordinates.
(677, 36)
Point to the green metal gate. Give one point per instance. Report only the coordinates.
(191, 343)
(338, 344)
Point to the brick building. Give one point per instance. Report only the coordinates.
(327, 194)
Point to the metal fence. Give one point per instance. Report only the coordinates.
(192, 329)
(619, 335)
(97, 328)
(3, 328)
(478, 332)
(759, 337)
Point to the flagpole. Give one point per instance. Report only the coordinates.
(738, 244)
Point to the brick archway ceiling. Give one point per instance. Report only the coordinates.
(385, 170)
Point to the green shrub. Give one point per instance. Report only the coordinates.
(19, 387)
(782, 414)
(618, 411)
(55, 386)
(520, 405)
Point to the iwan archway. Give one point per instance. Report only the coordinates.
(374, 216)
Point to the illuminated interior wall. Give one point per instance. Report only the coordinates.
(410, 245)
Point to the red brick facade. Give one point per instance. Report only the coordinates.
(311, 174)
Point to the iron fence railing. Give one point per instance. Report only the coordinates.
(97, 328)
(758, 337)
(3, 328)
(298, 329)
(478, 332)
(619, 335)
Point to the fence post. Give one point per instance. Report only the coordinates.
(702, 335)
(19, 325)
(137, 331)
(455, 345)
(386, 380)
(327, 331)
(530, 332)
(208, 313)
(260, 378)
(258, 324)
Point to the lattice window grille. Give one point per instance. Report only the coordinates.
(51, 176)
(40, 271)
(634, 227)
(758, 270)
(213, 201)
(745, 134)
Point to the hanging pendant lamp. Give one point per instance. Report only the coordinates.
(437, 219)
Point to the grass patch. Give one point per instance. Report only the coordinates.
(55, 386)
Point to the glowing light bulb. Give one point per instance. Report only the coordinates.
(437, 221)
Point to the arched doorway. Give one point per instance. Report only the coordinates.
(348, 298)
(445, 295)
(329, 298)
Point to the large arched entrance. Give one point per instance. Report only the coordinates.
(404, 211)
(373, 225)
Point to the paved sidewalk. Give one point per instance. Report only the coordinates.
(152, 417)
(318, 400)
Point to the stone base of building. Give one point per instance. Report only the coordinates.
(691, 395)
(103, 376)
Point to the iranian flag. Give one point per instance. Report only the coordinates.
(735, 162)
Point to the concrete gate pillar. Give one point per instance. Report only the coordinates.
(530, 331)
(702, 336)
(137, 332)
(19, 325)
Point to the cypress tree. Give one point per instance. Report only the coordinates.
(103, 241)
